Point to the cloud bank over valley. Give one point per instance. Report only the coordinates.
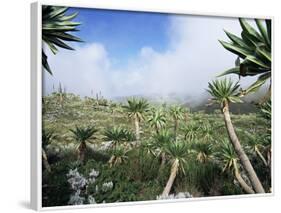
(192, 57)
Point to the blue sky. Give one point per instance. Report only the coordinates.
(123, 33)
(137, 53)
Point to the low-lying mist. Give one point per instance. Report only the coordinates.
(180, 73)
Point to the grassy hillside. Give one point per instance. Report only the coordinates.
(139, 173)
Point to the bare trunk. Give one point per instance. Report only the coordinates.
(261, 157)
(176, 128)
(173, 174)
(267, 95)
(269, 157)
(240, 152)
(156, 129)
(82, 151)
(45, 161)
(61, 100)
(163, 161)
(186, 117)
(111, 160)
(241, 181)
(137, 127)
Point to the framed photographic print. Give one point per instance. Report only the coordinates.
(131, 106)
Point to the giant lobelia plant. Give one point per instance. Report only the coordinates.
(254, 49)
(56, 28)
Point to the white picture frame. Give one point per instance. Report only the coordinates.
(36, 106)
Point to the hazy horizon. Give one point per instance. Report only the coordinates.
(136, 53)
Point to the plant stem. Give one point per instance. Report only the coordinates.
(240, 151)
(173, 174)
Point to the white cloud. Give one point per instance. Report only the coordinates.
(80, 71)
(193, 57)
